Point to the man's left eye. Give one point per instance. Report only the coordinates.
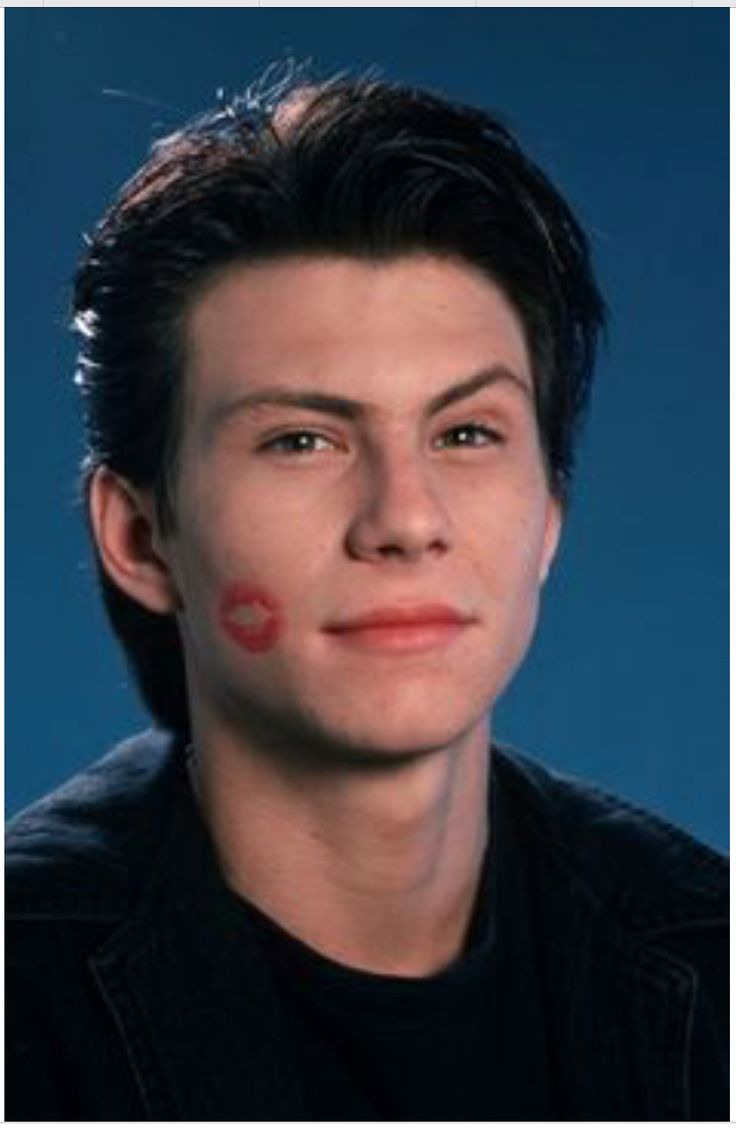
(469, 435)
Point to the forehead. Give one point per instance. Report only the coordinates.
(378, 330)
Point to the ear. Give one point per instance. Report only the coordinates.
(124, 525)
(552, 533)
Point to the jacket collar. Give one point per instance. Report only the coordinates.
(643, 873)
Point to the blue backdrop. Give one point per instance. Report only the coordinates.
(627, 110)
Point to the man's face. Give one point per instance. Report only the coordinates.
(363, 520)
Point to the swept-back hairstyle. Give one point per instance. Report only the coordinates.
(356, 167)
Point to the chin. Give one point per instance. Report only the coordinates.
(396, 739)
(391, 717)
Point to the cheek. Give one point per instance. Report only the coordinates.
(250, 617)
(510, 555)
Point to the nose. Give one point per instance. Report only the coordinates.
(400, 515)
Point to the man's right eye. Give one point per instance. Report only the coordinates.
(297, 443)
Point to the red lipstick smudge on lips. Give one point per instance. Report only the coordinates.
(250, 617)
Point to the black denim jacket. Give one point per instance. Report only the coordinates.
(128, 998)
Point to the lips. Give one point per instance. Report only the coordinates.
(393, 617)
(401, 628)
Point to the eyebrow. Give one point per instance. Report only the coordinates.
(354, 410)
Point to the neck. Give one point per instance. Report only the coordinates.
(377, 869)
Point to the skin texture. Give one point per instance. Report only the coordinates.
(356, 766)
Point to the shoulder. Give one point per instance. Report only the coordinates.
(656, 877)
(82, 850)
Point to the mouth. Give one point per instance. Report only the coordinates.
(402, 629)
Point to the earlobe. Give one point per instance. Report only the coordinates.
(124, 528)
(552, 533)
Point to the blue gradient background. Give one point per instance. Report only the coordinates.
(627, 110)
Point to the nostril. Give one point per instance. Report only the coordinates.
(411, 552)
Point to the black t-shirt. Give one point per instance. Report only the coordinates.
(467, 1043)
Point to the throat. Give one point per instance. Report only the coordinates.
(377, 873)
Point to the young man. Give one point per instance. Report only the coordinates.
(335, 353)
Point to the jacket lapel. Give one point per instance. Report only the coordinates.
(618, 1011)
(198, 1015)
(623, 1031)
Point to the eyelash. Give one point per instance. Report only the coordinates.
(283, 442)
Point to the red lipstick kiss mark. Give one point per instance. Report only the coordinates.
(250, 617)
